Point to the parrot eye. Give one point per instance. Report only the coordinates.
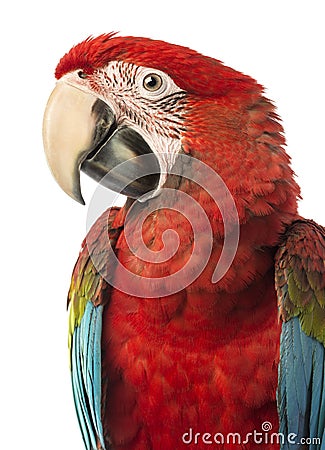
(82, 74)
(152, 82)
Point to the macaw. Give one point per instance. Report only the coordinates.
(233, 363)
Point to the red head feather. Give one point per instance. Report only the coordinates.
(191, 71)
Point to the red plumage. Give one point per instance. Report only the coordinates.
(204, 358)
(207, 77)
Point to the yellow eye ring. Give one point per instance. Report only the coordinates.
(152, 82)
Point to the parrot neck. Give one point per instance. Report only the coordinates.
(259, 235)
(241, 139)
(243, 145)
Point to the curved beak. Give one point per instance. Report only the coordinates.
(67, 134)
(80, 133)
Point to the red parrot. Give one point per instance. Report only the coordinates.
(163, 358)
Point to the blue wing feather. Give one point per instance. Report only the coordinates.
(78, 391)
(300, 286)
(86, 375)
(97, 376)
(317, 419)
(89, 288)
(301, 393)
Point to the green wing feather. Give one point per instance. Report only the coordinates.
(92, 269)
(300, 284)
(88, 295)
(300, 277)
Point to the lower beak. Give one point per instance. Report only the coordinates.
(80, 133)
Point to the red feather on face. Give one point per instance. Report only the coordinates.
(95, 53)
(204, 358)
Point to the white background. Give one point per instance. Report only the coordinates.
(280, 43)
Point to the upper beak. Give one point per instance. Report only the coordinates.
(80, 132)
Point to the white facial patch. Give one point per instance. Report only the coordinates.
(148, 101)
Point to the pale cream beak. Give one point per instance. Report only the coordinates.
(80, 133)
(68, 130)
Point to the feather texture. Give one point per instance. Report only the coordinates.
(86, 375)
(205, 357)
(300, 277)
(86, 301)
(300, 283)
(301, 393)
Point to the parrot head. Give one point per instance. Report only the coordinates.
(117, 98)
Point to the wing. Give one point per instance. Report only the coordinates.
(88, 295)
(300, 284)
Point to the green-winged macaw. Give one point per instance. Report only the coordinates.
(161, 359)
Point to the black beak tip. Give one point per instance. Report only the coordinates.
(125, 164)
